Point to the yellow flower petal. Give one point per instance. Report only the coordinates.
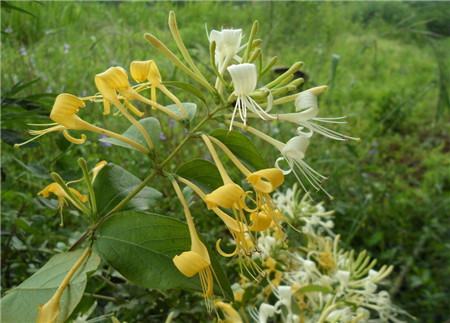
(48, 313)
(266, 180)
(231, 315)
(145, 70)
(97, 168)
(190, 263)
(227, 196)
(260, 221)
(65, 109)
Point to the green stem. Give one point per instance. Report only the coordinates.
(88, 180)
(146, 180)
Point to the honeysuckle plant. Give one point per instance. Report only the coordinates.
(233, 182)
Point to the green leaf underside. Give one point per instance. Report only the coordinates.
(150, 124)
(201, 172)
(113, 183)
(141, 246)
(191, 109)
(21, 303)
(242, 147)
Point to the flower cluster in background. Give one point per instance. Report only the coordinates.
(311, 279)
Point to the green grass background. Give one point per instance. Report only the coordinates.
(387, 65)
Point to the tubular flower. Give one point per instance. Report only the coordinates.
(293, 153)
(237, 229)
(228, 42)
(196, 261)
(111, 83)
(142, 71)
(114, 82)
(227, 196)
(307, 107)
(244, 78)
(266, 180)
(56, 190)
(230, 314)
(97, 168)
(64, 112)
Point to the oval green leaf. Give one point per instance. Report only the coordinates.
(140, 246)
(150, 124)
(113, 183)
(191, 109)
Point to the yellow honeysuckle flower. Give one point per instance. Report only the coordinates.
(142, 71)
(111, 83)
(49, 312)
(238, 230)
(114, 82)
(64, 113)
(196, 261)
(260, 220)
(230, 314)
(229, 195)
(263, 181)
(266, 180)
(56, 190)
(97, 168)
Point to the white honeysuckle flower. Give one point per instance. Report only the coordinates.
(266, 244)
(228, 43)
(343, 315)
(307, 114)
(266, 311)
(343, 277)
(284, 294)
(244, 78)
(293, 153)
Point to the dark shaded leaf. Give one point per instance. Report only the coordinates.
(242, 147)
(113, 183)
(201, 172)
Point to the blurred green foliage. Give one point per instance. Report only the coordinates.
(386, 63)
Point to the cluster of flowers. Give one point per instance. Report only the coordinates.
(250, 215)
(315, 281)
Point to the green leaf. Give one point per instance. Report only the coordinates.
(113, 183)
(242, 147)
(191, 109)
(186, 87)
(315, 288)
(150, 124)
(21, 303)
(141, 246)
(201, 172)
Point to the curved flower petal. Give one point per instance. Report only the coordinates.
(190, 263)
(226, 196)
(244, 78)
(266, 180)
(231, 315)
(65, 110)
